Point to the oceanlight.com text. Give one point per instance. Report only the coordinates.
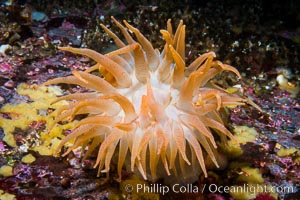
(209, 188)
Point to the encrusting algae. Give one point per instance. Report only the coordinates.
(25, 113)
(250, 183)
(243, 134)
(148, 107)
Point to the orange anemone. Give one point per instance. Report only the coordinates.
(148, 107)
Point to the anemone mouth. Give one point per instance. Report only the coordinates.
(149, 105)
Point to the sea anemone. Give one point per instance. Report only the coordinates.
(147, 107)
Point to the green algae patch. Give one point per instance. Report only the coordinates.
(242, 134)
(252, 183)
(28, 159)
(250, 175)
(7, 196)
(250, 191)
(283, 152)
(6, 170)
(36, 110)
